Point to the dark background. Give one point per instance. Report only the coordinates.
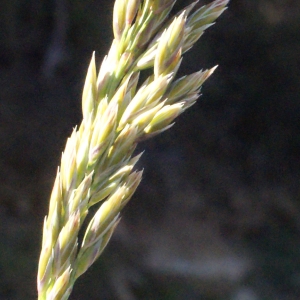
(217, 215)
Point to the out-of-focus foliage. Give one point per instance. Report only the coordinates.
(239, 162)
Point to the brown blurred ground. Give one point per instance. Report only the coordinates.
(217, 215)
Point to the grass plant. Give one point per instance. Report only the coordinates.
(97, 165)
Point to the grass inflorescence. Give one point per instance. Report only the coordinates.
(97, 165)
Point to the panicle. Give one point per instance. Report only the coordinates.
(97, 166)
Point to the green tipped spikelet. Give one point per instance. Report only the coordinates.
(97, 165)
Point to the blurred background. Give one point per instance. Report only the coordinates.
(217, 216)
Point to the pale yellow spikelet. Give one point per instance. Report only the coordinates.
(87, 256)
(60, 289)
(124, 145)
(44, 276)
(119, 18)
(81, 196)
(111, 183)
(149, 93)
(89, 93)
(169, 47)
(103, 133)
(55, 204)
(186, 86)
(67, 240)
(201, 20)
(131, 10)
(164, 117)
(131, 185)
